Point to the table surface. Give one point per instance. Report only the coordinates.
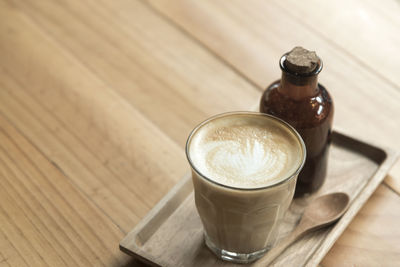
(97, 98)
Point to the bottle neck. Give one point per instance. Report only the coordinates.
(298, 87)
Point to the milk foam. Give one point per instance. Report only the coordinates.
(245, 154)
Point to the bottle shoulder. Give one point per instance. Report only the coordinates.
(307, 112)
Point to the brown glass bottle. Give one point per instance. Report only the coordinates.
(305, 104)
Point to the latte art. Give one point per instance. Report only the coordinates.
(230, 162)
(245, 154)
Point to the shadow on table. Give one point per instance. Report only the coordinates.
(135, 263)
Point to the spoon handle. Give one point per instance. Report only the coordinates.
(278, 249)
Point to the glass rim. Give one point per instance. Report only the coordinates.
(232, 113)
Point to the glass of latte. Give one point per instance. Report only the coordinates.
(244, 171)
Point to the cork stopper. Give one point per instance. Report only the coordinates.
(301, 60)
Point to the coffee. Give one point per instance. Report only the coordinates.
(245, 152)
(244, 171)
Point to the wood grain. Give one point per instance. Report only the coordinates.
(37, 201)
(373, 26)
(263, 34)
(94, 131)
(393, 179)
(143, 62)
(62, 122)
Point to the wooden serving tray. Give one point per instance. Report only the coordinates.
(172, 233)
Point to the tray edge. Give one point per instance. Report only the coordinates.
(163, 204)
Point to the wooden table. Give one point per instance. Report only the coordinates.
(97, 99)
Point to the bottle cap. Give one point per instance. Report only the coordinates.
(301, 61)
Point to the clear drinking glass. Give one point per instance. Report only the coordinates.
(241, 224)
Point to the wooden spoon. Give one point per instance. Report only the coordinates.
(322, 211)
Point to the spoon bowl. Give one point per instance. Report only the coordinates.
(326, 209)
